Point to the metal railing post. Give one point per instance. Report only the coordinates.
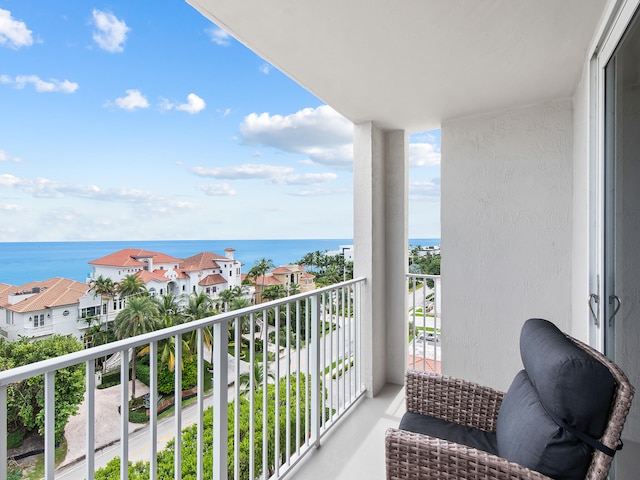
(220, 400)
(49, 425)
(314, 369)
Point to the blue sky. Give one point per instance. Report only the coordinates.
(136, 120)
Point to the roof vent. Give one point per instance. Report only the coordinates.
(35, 290)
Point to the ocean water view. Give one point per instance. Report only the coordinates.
(24, 262)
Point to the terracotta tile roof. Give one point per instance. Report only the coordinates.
(202, 261)
(215, 279)
(267, 280)
(128, 257)
(288, 269)
(157, 275)
(55, 292)
(307, 275)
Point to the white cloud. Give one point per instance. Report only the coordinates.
(7, 180)
(305, 179)
(4, 157)
(219, 36)
(224, 112)
(13, 33)
(11, 207)
(265, 68)
(321, 133)
(317, 192)
(52, 85)
(110, 33)
(218, 189)
(424, 190)
(134, 99)
(194, 104)
(46, 188)
(246, 171)
(423, 155)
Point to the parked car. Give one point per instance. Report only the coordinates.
(428, 336)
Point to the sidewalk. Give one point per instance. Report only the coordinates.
(107, 422)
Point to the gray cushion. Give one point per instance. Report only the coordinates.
(527, 436)
(560, 380)
(572, 385)
(453, 432)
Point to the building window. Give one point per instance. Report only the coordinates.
(194, 289)
(161, 292)
(215, 289)
(184, 287)
(208, 290)
(38, 320)
(115, 304)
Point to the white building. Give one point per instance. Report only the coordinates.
(162, 274)
(42, 309)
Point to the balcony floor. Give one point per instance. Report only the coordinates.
(354, 448)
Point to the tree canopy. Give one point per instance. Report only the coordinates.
(25, 400)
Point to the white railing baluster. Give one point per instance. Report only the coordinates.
(91, 415)
(236, 400)
(3, 432)
(177, 409)
(265, 397)
(252, 387)
(124, 413)
(153, 409)
(288, 386)
(298, 385)
(49, 425)
(200, 405)
(315, 367)
(220, 399)
(276, 406)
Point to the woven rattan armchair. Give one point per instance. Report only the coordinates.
(416, 456)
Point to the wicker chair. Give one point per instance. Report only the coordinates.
(418, 456)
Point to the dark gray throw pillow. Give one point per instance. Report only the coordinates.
(571, 384)
(527, 436)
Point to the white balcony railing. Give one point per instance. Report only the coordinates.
(424, 322)
(39, 331)
(314, 372)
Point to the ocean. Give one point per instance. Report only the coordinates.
(24, 262)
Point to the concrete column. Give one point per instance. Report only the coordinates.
(381, 250)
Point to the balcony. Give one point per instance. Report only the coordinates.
(322, 356)
(39, 331)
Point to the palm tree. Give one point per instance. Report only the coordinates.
(259, 269)
(131, 285)
(294, 289)
(139, 316)
(226, 296)
(258, 378)
(105, 288)
(273, 292)
(199, 306)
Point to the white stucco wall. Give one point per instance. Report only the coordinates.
(507, 233)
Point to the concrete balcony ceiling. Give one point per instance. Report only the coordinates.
(412, 64)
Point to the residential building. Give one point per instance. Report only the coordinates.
(42, 309)
(162, 274)
(284, 277)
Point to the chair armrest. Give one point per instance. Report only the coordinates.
(411, 455)
(451, 399)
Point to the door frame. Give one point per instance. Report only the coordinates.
(619, 15)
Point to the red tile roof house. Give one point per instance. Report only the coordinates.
(162, 274)
(42, 309)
